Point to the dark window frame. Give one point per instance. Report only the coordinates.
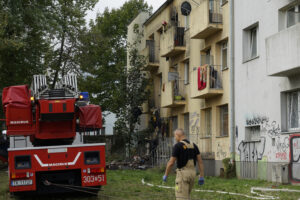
(85, 156)
(23, 156)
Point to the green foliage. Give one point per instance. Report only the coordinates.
(103, 54)
(67, 24)
(135, 95)
(229, 168)
(39, 35)
(23, 42)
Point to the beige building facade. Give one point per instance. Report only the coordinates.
(186, 46)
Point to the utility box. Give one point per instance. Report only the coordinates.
(280, 173)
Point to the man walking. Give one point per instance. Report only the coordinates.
(186, 154)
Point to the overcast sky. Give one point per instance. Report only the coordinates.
(102, 4)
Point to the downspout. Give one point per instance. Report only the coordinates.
(232, 92)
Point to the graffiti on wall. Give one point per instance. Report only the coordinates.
(195, 123)
(282, 148)
(271, 128)
(221, 154)
(252, 151)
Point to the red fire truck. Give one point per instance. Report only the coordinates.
(46, 152)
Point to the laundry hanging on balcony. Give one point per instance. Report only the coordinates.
(202, 77)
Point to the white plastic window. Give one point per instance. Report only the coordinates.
(208, 122)
(224, 55)
(253, 42)
(186, 73)
(224, 120)
(293, 110)
(293, 16)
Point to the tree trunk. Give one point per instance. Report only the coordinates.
(59, 62)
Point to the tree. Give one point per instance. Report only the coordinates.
(23, 27)
(136, 93)
(102, 55)
(67, 25)
(23, 40)
(38, 36)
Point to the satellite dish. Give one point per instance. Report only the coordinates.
(186, 8)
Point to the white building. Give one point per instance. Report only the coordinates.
(267, 89)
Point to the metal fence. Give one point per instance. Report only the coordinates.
(215, 11)
(163, 152)
(179, 36)
(151, 51)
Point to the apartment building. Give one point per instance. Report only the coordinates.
(267, 89)
(186, 45)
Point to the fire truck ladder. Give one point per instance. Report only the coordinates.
(39, 85)
(69, 83)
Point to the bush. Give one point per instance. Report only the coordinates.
(229, 168)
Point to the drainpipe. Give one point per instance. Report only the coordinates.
(232, 95)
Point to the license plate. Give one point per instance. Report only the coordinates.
(21, 182)
(94, 179)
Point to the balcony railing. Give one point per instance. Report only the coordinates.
(150, 53)
(211, 15)
(206, 79)
(215, 11)
(173, 94)
(172, 42)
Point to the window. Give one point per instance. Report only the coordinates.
(250, 41)
(92, 157)
(186, 73)
(186, 125)
(160, 85)
(224, 55)
(224, 120)
(252, 133)
(206, 58)
(293, 16)
(207, 131)
(174, 124)
(293, 109)
(253, 42)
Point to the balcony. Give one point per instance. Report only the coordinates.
(283, 50)
(173, 94)
(206, 80)
(152, 62)
(206, 19)
(172, 42)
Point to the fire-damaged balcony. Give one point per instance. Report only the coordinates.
(151, 55)
(172, 42)
(173, 94)
(283, 52)
(206, 81)
(206, 19)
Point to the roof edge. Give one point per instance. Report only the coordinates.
(158, 11)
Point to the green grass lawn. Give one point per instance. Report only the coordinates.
(126, 184)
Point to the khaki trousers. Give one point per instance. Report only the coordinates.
(184, 181)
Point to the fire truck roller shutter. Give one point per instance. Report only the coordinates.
(18, 112)
(90, 116)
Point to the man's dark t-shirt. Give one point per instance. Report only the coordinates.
(182, 154)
